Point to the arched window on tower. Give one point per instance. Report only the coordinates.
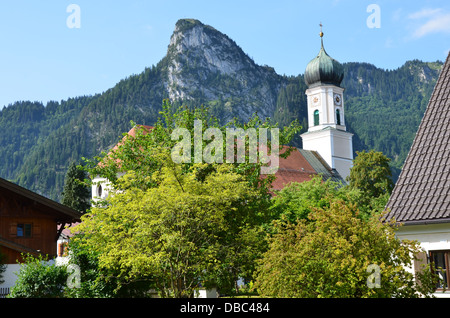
(338, 117)
(316, 117)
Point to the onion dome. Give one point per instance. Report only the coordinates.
(323, 69)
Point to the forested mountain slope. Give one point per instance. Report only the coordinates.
(384, 108)
(205, 67)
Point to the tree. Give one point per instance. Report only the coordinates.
(97, 282)
(76, 194)
(174, 233)
(136, 152)
(337, 254)
(372, 175)
(298, 199)
(38, 278)
(145, 155)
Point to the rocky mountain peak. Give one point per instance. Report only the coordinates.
(203, 62)
(202, 43)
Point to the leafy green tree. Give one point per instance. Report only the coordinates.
(97, 282)
(146, 154)
(372, 175)
(91, 283)
(136, 153)
(174, 232)
(38, 278)
(337, 254)
(76, 193)
(298, 199)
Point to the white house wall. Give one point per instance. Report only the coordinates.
(432, 237)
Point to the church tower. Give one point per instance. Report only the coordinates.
(327, 133)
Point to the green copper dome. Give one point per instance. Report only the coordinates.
(323, 69)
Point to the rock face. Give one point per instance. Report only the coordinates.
(205, 63)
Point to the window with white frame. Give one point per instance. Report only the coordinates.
(440, 260)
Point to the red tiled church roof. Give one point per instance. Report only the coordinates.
(300, 166)
(294, 168)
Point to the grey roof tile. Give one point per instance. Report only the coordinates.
(422, 192)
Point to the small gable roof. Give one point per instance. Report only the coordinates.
(422, 192)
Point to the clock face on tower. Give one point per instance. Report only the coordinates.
(337, 99)
(315, 101)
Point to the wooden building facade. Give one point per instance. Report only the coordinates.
(30, 223)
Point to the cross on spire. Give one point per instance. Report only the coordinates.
(321, 33)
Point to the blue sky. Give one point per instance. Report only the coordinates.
(42, 58)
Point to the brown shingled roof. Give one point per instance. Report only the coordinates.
(422, 192)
